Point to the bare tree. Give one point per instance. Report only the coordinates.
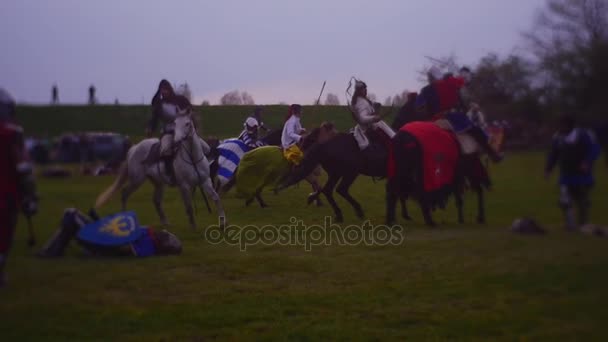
(399, 100)
(332, 100)
(570, 43)
(231, 98)
(247, 98)
(237, 98)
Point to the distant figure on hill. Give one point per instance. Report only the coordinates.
(92, 99)
(54, 95)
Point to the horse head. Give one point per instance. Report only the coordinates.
(318, 135)
(184, 128)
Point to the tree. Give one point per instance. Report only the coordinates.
(247, 98)
(332, 100)
(205, 103)
(236, 97)
(570, 43)
(399, 100)
(504, 87)
(388, 101)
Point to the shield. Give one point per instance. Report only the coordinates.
(114, 230)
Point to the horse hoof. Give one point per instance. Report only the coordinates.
(361, 215)
(481, 221)
(248, 203)
(407, 217)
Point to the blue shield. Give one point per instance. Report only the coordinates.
(114, 230)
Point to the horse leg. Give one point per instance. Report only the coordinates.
(459, 205)
(328, 190)
(404, 212)
(208, 188)
(345, 184)
(128, 190)
(391, 203)
(426, 213)
(260, 200)
(159, 190)
(316, 188)
(481, 213)
(186, 192)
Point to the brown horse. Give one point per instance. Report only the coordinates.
(340, 156)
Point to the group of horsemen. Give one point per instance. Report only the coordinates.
(445, 100)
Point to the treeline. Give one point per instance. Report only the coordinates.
(563, 70)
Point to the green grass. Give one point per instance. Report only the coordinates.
(454, 282)
(220, 121)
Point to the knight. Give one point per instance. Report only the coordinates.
(369, 122)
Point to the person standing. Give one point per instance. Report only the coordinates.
(574, 149)
(54, 95)
(92, 99)
(17, 187)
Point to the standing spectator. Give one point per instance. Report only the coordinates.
(92, 99)
(54, 95)
(574, 149)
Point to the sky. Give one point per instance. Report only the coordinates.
(276, 50)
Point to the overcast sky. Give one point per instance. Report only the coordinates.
(277, 50)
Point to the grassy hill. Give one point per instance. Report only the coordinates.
(221, 121)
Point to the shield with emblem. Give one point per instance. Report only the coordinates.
(114, 230)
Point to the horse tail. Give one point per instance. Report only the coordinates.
(118, 183)
(309, 163)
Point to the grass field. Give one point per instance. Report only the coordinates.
(453, 282)
(220, 121)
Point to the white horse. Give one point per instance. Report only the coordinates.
(190, 165)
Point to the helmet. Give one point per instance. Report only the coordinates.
(360, 84)
(251, 124)
(7, 105)
(167, 243)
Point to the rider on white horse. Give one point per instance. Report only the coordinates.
(164, 110)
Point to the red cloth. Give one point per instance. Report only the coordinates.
(448, 91)
(439, 153)
(10, 139)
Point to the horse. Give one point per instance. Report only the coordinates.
(230, 153)
(342, 159)
(474, 174)
(190, 164)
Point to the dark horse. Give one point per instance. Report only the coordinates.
(343, 161)
(473, 173)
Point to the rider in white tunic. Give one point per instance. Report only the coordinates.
(366, 117)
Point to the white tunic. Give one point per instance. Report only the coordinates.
(364, 115)
(291, 132)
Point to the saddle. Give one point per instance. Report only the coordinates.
(153, 156)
